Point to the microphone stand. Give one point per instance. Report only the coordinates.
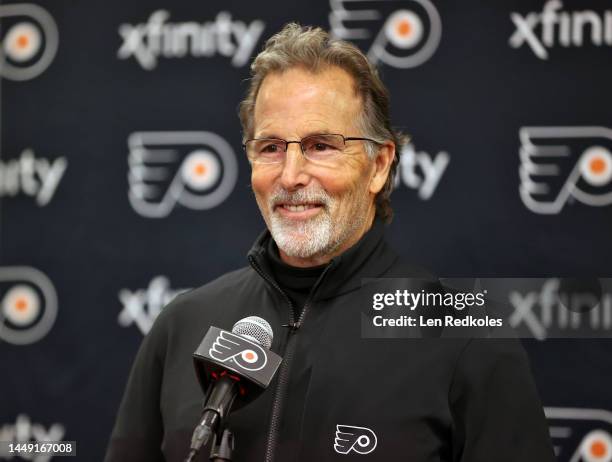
(222, 452)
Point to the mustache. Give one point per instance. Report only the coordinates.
(301, 196)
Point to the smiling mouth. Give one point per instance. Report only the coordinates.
(298, 207)
(300, 210)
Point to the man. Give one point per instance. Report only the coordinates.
(323, 155)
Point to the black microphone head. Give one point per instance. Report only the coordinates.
(256, 329)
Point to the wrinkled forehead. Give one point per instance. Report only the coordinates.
(327, 96)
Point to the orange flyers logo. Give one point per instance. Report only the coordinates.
(28, 303)
(562, 162)
(236, 349)
(580, 435)
(29, 41)
(402, 34)
(195, 169)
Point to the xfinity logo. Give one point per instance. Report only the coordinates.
(553, 26)
(142, 306)
(32, 176)
(421, 171)
(23, 431)
(159, 38)
(550, 308)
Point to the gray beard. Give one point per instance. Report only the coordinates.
(316, 236)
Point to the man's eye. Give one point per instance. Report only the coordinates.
(322, 147)
(270, 148)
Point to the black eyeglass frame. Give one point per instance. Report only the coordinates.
(287, 143)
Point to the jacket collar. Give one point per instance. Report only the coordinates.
(371, 257)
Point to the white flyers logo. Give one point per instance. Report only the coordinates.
(33, 176)
(559, 163)
(25, 431)
(400, 34)
(580, 435)
(29, 41)
(28, 303)
(563, 28)
(223, 36)
(142, 306)
(357, 439)
(195, 169)
(420, 170)
(234, 348)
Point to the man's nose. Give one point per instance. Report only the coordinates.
(294, 174)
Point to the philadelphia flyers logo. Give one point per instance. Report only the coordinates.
(229, 347)
(580, 434)
(357, 439)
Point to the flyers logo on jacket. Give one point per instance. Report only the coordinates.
(552, 27)
(29, 305)
(349, 439)
(29, 40)
(402, 34)
(233, 348)
(579, 434)
(195, 169)
(559, 163)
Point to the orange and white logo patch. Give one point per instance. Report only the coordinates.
(28, 305)
(562, 162)
(236, 349)
(401, 34)
(29, 40)
(349, 438)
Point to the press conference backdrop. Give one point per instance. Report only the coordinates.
(122, 180)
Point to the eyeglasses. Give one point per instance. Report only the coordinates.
(316, 148)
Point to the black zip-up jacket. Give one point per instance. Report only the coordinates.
(425, 400)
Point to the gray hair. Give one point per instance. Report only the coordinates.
(315, 50)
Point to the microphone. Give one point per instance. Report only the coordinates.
(233, 369)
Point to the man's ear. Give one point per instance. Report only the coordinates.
(382, 165)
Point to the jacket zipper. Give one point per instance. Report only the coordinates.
(283, 379)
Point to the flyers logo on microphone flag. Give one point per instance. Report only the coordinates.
(579, 434)
(401, 34)
(195, 169)
(356, 439)
(28, 41)
(229, 347)
(562, 162)
(28, 305)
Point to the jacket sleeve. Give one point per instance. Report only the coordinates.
(138, 432)
(496, 411)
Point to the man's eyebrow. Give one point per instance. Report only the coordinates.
(310, 133)
(268, 135)
(320, 132)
